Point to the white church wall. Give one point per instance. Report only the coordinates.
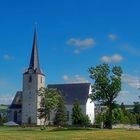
(90, 110)
(90, 107)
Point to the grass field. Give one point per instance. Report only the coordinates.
(13, 133)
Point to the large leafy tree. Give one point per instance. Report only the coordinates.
(49, 102)
(107, 85)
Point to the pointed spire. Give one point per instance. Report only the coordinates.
(34, 61)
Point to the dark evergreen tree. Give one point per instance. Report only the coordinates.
(78, 118)
(86, 121)
(125, 112)
(60, 116)
(76, 114)
(136, 109)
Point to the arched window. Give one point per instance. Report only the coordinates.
(30, 79)
(15, 116)
(29, 120)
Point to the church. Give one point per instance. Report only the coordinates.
(24, 107)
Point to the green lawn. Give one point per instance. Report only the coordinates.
(12, 133)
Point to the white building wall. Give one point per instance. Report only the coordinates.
(90, 109)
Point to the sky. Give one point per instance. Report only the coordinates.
(73, 35)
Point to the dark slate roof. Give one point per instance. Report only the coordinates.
(72, 92)
(17, 102)
(34, 60)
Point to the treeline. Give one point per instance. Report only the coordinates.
(120, 115)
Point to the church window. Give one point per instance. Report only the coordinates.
(15, 116)
(30, 79)
(29, 120)
(19, 101)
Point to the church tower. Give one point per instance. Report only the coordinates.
(33, 80)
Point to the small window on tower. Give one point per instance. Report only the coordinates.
(30, 79)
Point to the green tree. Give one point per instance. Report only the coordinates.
(78, 118)
(99, 118)
(49, 102)
(60, 116)
(85, 121)
(132, 118)
(76, 114)
(138, 118)
(125, 120)
(117, 115)
(123, 108)
(136, 109)
(107, 85)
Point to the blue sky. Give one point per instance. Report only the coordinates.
(72, 36)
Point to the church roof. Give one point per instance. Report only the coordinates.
(17, 102)
(34, 60)
(74, 91)
(70, 92)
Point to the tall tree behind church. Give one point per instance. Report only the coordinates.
(106, 87)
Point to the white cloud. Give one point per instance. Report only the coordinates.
(65, 77)
(132, 81)
(112, 37)
(113, 58)
(88, 42)
(7, 57)
(81, 44)
(74, 79)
